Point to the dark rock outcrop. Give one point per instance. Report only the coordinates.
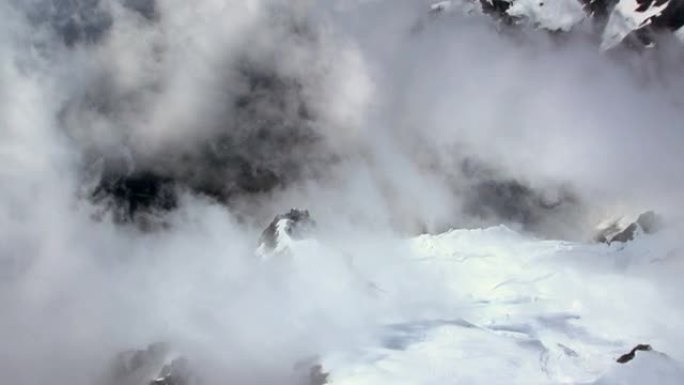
(669, 20)
(623, 359)
(599, 10)
(295, 224)
(647, 222)
(498, 9)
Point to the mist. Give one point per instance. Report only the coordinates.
(383, 120)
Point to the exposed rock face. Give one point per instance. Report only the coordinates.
(291, 225)
(497, 9)
(598, 9)
(647, 223)
(623, 359)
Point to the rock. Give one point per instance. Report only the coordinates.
(647, 223)
(498, 9)
(626, 235)
(630, 356)
(599, 10)
(293, 225)
(651, 367)
(638, 22)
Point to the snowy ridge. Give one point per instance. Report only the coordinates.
(626, 16)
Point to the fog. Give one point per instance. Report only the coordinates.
(383, 120)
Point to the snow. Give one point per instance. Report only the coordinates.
(624, 19)
(519, 310)
(649, 368)
(564, 15)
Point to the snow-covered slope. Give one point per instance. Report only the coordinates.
(525, 311)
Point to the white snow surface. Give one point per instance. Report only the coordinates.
(513, 309)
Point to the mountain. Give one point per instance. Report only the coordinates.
(637, 21)
(341, 192)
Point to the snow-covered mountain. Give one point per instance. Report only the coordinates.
(525, 311)
(510, 309)
(503, 308)
(618, 18)
(484, 192)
